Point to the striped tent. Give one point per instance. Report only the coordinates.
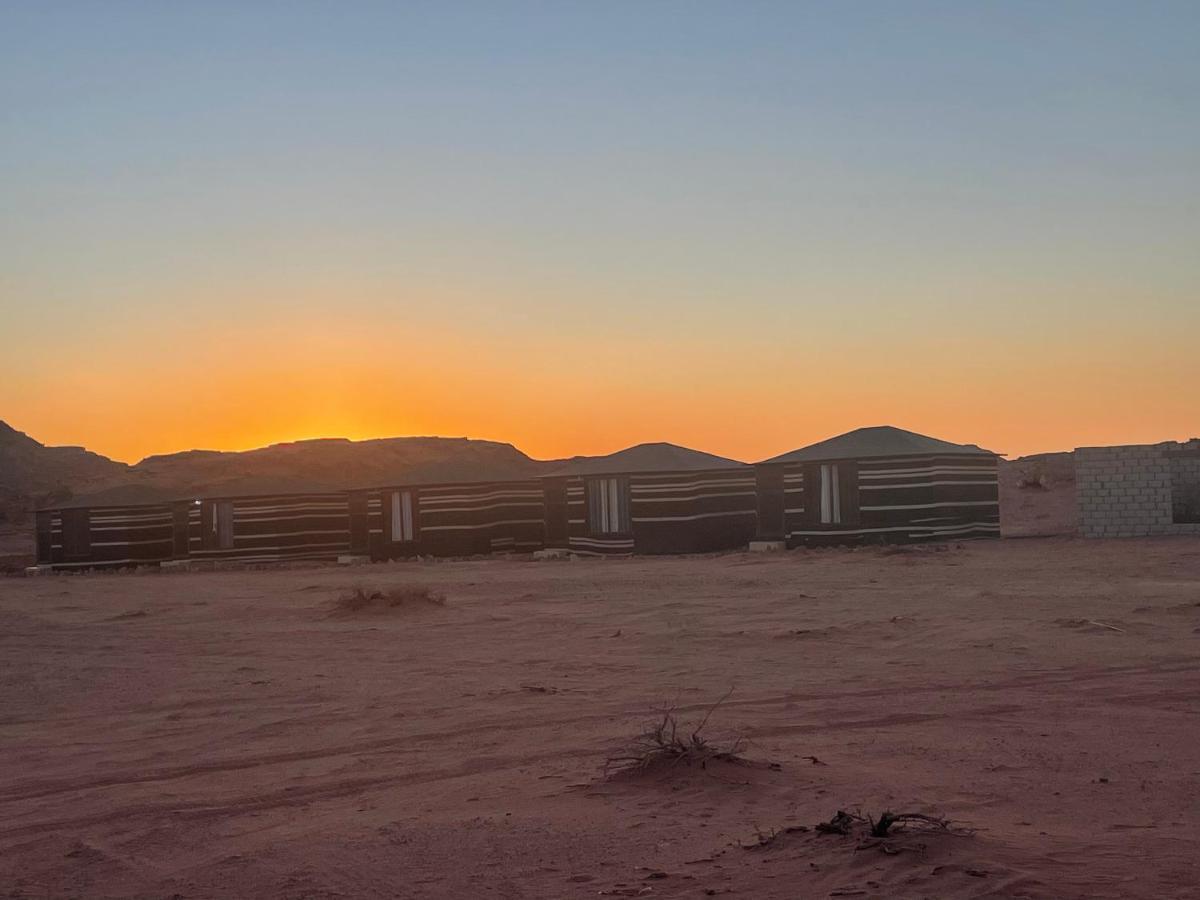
(652, 498)
(878, 484)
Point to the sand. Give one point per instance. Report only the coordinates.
(232, 734)
(1037, 496)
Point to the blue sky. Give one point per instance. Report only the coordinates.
(977, 190)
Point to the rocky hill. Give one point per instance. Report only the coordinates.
(331, 464)
(32, 474)
(28, 467)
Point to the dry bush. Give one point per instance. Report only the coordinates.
(405, 596)
(886, 825)
(667, 744)
(881, 827)
(884, 833)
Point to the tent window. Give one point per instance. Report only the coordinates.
(608, 505)
(402, 516)
(831, 496)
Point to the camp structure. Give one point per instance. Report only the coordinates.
(870, 485)
(1138, 490)
(651, 498)
(247, 529)
(263, 529)
(452, 519)
(104, 537)
(878, 484)
(385, 523)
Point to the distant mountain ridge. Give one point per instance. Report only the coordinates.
(30, 467)
(76, 476)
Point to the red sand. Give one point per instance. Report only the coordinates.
(224, 735)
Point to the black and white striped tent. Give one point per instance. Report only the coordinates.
(461, 519)
(879, 484)
(870, 485)
(652, 498)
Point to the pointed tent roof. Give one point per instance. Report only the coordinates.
(656, 457)
(878, 440)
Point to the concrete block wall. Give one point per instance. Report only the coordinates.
(1127, 491)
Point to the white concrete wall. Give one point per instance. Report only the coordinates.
(1126, 491)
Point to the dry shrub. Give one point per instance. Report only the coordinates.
(882, 826)
(885, 833)
(407, 596)
(667, 744)
(886, 825)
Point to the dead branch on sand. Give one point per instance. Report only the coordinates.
(881, 826)
(360, 598)
(839, 824)
(663, 744)
(844, 823)
(871, 832)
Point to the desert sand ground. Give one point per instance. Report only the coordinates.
(1037, 496)
(232, 734)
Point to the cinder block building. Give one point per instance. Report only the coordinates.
(1139, 490)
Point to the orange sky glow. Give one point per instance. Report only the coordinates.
(236, 389)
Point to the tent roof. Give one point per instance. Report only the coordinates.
(656, 457)
(878, 440)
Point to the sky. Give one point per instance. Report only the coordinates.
(739, 226)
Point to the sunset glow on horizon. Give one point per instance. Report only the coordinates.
(574, 230)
